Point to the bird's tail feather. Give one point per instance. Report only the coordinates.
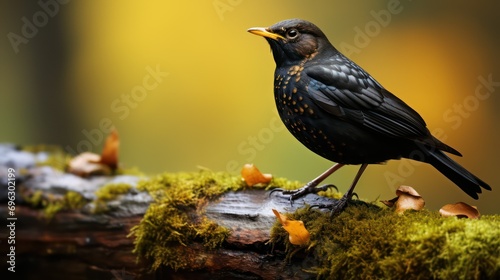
(456, 173)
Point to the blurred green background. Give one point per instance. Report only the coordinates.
(187, 86)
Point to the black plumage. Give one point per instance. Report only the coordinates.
(337, 110)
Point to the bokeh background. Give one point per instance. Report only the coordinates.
(69, 69)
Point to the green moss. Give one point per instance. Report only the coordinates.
(367, 242)
(35, 199)
(285, 184)
(74, 201)
(107, 193)
(52, 208)
(211, 233)
(51, 205)
(57, 158)
(112, 191)
(70, 201)
(174, 220)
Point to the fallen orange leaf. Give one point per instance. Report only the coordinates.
(252, 176)
(109, 155)
(297, 232)
(86, 164)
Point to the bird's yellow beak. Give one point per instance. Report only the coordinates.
(264, 32)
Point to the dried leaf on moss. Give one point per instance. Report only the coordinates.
(460, 210)
(252, 176)
(297, 232)
(109, 155)
(407, 199)
(87, 163)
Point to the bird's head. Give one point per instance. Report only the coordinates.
(293, 40)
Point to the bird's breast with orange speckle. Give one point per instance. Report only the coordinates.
(315, 128)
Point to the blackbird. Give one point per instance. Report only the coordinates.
(340, 112)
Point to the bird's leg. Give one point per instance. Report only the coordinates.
(311, 186)
(337, 207)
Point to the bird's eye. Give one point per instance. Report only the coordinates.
(292, 33)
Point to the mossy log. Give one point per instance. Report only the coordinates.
(208, 225)
(69, 227)
(73, 244)
(76, 245)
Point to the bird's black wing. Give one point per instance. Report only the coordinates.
(345, 90)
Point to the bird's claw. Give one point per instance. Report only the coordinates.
(294, 194)
(276, 190)
(283, 191)
(336, 207)
(307, 189)
(325, 187)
